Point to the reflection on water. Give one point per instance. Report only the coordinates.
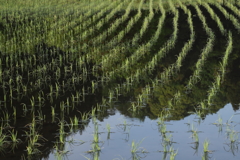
(151, 142)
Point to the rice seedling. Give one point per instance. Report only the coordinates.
(96, 135)
(108, 127)
(173, 153)
(205, 156)
(6, 117)
(167, 140)
(13, 137)
(61, 152)
(163, 129)
(219, 121)
(134, 107)
(195, 136)
(3, 139)
(53, 113)
(233, 136)
(135, 147)
(205, 145)
(61, 132)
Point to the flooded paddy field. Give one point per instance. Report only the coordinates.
(116, 80)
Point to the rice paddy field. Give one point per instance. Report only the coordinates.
(119, 79)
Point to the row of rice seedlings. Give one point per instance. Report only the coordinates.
(108, 60)
(162, 52)
(19, 31)
(206, 50)
(168, 72)
(229, 16)
(144, 26)
(68, 13)
(117, 39)
(187, 11)
(125, 66)
(116, 8)
(169, 44)
(121, 34)
(100, 38)
(89, 31)
(146, 21)
(188, 45)
(33, 138)
(176, 66)
(145, 48)
(215, 17)
(84, 29)
(70, 22)
(220, 76)
(110, 96)
(130, 79)
(233, 8)
(91, 11)
(166, 139)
